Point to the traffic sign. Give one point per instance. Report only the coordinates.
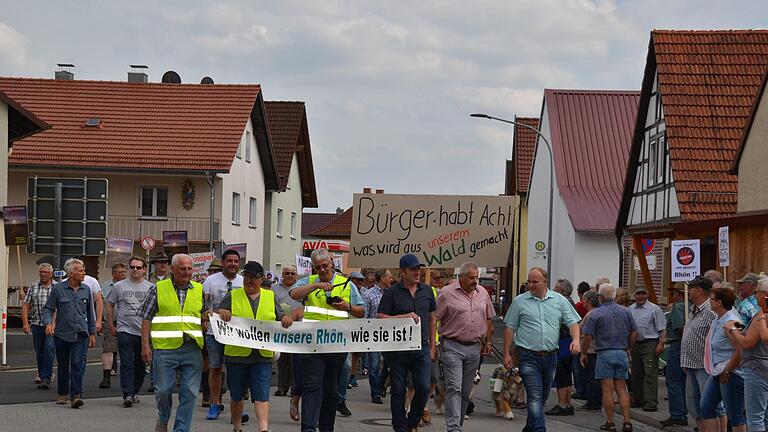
(59, 273)
(648, 245)
(147, 243)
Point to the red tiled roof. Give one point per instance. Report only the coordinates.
(289, 132)
(591, 134)
(311, 222)
(153, 126)
(708, 82)
(524, 143)
(284, 120)
(339, 227)
(748, 129)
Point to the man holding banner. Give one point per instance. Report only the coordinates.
(410, 299)
(250, 368)
(326, 296)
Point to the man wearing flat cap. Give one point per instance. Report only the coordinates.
(748, 307)
(652, 327)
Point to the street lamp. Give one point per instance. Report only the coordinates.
(551, 181)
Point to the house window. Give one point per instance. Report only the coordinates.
(240, 150)
(252, 212)
(653, 159)
(235, 208)
(661, 161)
(293, 224)
(248, 146)
(153, 202)
(279, 222)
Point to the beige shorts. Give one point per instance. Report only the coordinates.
(109, 344)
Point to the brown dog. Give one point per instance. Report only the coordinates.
(505, 384)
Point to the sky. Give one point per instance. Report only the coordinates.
(388, 86)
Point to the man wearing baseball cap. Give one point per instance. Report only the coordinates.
(748, 307)
(692, 347)
(410, 299)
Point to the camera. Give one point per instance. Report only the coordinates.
(334, 299)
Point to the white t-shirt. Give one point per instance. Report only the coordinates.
(215, 286)
(92, 283)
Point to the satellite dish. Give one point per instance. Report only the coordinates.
(206, 80)
(171, 77)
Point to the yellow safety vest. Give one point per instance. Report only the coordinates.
(437, 324)
(315, 306)
(171, 323)
(241, 307)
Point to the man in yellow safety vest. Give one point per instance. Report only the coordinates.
(326, 295)
(250, 368)
(173, 314)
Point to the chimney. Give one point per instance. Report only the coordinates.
(366, 190)
(64, 74)
(379, 191)
(339, 210)
(138, 74)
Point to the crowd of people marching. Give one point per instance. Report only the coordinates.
(605, 347)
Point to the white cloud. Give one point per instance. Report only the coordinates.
(13, 47)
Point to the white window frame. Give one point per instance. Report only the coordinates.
(253, 211)
(248, 146)
(235, 208)
(279, 225)
(293, 225)
(154, 202)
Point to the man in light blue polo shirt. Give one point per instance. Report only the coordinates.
(533, 323)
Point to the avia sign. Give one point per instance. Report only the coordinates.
(331, 245)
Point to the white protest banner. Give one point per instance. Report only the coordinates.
(200, 263)
(724, 247)
(442, 230)
(685, 260)
(354, 335)
(303, 265)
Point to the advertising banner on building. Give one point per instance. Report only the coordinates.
(119, 250)
(15, 223)
(442, 230)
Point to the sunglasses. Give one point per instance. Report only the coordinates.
(136, 267)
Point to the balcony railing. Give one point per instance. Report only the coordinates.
(197, 229)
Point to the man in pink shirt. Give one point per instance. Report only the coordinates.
(464, 310)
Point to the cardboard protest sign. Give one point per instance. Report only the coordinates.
(119, 250)
(685, 260)
(200, 263)
(442, 230)
(175, 242)
(303, 265)
(15, 224)
(359, 335)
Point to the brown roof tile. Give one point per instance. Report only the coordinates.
(523, 143)
(708, 80)
(311, 222)
(340, 227)
(142, 125)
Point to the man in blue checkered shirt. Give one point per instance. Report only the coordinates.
(748, 307)
(372, 298)
(32, 317)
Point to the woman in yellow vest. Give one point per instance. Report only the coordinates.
(250, 368)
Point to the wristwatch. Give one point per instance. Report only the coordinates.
(349, 307)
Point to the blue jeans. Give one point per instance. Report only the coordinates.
(188, 361)
(594, 388)
(579, 378)
(675, 382)
(71, 360)
(298, 375)
(375, 374)
(537, 372)
(346, 372)
(730, 393)
(45, 351)
(419, 364)
(132, 370)
(756, 400)
(695, 381)
(319, 399)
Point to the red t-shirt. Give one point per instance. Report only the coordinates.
(581, 309)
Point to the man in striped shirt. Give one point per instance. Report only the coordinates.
(32, 317)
